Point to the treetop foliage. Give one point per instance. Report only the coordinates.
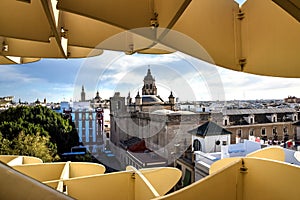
(36, 131)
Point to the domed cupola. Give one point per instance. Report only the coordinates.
(149, 87)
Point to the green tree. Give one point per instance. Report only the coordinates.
(39, 126)
(34, 145)
(5, 146)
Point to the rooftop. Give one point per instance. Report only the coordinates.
(151, 99)
(258, 111)
(208, 129)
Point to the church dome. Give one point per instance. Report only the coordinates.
(151, 99)
(149, 87)
(149, 76)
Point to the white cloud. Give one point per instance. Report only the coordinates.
(113, 60)
(137, 60)
(239, 85)
(12, 74)
(118, 69)
(188, 79)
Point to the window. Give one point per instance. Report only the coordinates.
(263, 132)
(225, 122)
(251, 120)
(197, 145)
(239, 133)
(285, 130)
(274, 131)
(251, 132)
(285, 134)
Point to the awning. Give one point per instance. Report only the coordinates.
(258, 37)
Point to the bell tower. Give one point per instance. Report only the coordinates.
(149, 87)
(82, 94)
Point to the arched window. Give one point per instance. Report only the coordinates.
(197, 145)
(239, 133)
(274, 132)
(251, 120)
(251, 132)
(225, 122)
(263, 132)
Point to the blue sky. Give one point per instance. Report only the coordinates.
(60, 79)
(188, 78)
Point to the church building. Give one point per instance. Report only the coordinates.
(148, 131)
(150, 100)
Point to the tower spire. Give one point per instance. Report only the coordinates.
(82, 94)
(149, 87)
